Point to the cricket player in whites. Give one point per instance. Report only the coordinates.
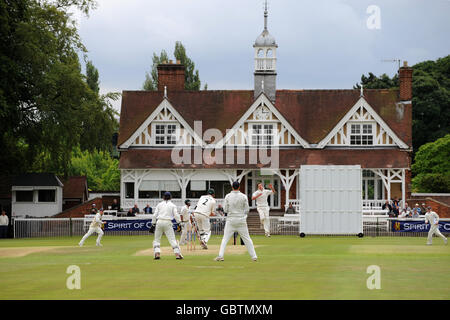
(185, 222)
(432, 218)
(262, 206)
(206, 206)
(96, 226)
(236, 207)
(165, 212)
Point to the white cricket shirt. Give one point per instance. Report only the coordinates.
(205, 205)
(166, 210)
(236, 205)
(97, 222)
(185, 213)
(432, 217)
(262, 200)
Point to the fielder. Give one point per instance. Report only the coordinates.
(205, 207)
(165, 212)
(96, 226)
(432, 218)
(236, 207)
(185, 222)
(262, 206)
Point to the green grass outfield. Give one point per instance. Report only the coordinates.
(288, 267)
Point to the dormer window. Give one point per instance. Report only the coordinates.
(262, 134)
(165, 134)
(361, 134)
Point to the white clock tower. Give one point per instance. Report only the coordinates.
(265, 62)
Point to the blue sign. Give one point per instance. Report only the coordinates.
(128, 225)
(417, 226)
(132, 225)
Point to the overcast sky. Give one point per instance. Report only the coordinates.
(322, 44)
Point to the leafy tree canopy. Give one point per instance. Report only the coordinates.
(192, 78)
(47, 106)
(432, 167)
(102, 171)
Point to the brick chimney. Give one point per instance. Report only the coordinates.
(171, 75)
(405, 82)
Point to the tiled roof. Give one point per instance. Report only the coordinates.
(37, 179)
(75, 187)
(312, 113)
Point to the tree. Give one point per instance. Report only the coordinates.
(99, 124)
(192, 78)
(101, 170)
(151, 80)
(374, 82)
(45, 100)
(42, 89)
(92, 77)
(431, 101)
(432, 167)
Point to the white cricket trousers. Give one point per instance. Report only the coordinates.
(165, 226)
(264, 217)
(185, 228)
(238, 225)
(203, 225)
(434, 229)
(98, 230)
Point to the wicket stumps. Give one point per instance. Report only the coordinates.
(191, 238)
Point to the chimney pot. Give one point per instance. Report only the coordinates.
(405, 82)
(171, 76)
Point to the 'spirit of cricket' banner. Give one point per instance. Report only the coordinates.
(130, 225)
(417, 226)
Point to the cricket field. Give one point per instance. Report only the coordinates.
(288, 267)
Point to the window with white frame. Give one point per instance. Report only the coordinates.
(372, 186)
(165, 134)
(262, 134)
(361, 134)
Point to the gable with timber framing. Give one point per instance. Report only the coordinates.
(362, 127)
(163, 128)
(263, 125)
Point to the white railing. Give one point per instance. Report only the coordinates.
(265, 64)
(296, 204)
(370, 207)
(142, 203)
(65, 227)
(77, 227)
(375, 225)
(373, 204)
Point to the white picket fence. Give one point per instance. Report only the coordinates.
(66, 227)
(373, 225)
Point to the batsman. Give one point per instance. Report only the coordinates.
(205, 208)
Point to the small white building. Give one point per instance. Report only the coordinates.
(36, 195)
